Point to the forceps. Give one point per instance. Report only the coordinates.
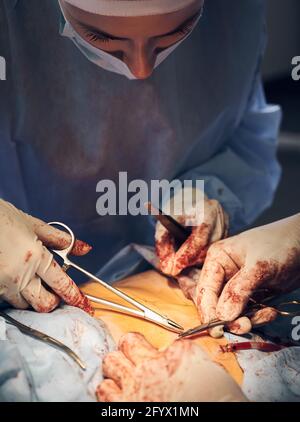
(142, 311)
(281, 309)
(39, 335)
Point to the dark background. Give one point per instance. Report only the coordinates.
(283, 25)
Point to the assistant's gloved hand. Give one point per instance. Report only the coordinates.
(213, 227)
(28, 273)
(138, 372)
(264, 257)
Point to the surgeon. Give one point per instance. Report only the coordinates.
(160, 89)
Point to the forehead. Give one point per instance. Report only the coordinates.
(134, 26)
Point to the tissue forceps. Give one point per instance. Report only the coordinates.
(281, 309)
(142, 311)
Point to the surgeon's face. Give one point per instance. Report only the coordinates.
(135, 40)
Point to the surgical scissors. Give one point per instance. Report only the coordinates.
(281, 309)
(141, 312)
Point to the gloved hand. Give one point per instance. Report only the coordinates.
(138, 372)
(193, 251)
(264, 257)
(28, 273)
(188, 281)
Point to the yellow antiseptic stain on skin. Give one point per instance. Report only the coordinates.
(161, 295)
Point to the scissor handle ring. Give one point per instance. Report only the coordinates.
(67, 250)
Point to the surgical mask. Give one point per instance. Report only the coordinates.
(105, 60)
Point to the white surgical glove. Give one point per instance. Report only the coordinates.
(28, 273)
(137, 372)
(236, 268)
(204, 231)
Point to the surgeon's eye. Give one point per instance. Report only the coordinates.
(94, 37)
(188, 27)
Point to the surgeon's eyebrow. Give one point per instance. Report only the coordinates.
(101, 33)
(98, 31)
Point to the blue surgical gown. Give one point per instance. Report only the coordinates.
(65, 123)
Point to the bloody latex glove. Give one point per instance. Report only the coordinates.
(138, 372)
(188, 281)
(236, 268)
(28, 273)
(213, 227)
